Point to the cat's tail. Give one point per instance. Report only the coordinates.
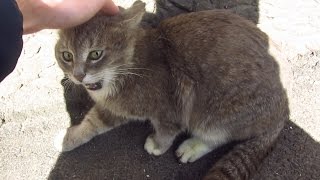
(244, 159)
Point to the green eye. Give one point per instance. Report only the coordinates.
(95, 55)
(67, 56)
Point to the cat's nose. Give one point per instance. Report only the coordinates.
(79, 75)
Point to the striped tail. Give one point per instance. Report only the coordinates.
(244, 160)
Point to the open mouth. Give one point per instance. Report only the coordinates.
(94, 86)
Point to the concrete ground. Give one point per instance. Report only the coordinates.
(34, 106)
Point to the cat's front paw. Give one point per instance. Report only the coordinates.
(59, 140)
(69, 139)
(152, 147)
(63, 142)
(191, 150)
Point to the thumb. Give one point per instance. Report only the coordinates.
(110, 8)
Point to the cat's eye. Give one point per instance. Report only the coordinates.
(67, 56)
(95, 55)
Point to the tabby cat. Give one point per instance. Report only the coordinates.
(208, 73)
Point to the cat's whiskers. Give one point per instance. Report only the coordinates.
(129, 73)
(101, 75)
(118, 70)
(121, 65)
(129, 64)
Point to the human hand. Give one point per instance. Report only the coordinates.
(59, 14)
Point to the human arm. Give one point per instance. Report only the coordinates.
(10, 36)
(56, 14)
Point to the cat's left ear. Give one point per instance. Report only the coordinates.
(133, 15)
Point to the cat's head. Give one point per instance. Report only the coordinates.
(94, 53)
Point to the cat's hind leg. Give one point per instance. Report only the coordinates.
(77, 135)
(199, 145)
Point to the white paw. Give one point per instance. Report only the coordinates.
(151, 147)
(191, 150)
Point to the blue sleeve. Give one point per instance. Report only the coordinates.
(11, 29)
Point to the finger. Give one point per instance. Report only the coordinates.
(110, 8)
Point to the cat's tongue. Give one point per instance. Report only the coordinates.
(94, 86)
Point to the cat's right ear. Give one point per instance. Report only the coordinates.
(133, 15)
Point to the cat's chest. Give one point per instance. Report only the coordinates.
(119, 106)
(127, 110)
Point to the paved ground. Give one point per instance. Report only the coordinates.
(34, 106)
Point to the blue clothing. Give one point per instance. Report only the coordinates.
(11, 29)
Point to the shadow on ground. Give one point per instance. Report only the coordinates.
(119, 154)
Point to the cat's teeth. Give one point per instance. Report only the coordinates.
(94, 86)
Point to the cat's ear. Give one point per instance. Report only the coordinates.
(133, 15)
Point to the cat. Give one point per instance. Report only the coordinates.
(208, 73)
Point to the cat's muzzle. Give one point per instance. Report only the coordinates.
(94, 86)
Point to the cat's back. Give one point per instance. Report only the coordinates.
(200, 27)
(221, 53)
(217, 32)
